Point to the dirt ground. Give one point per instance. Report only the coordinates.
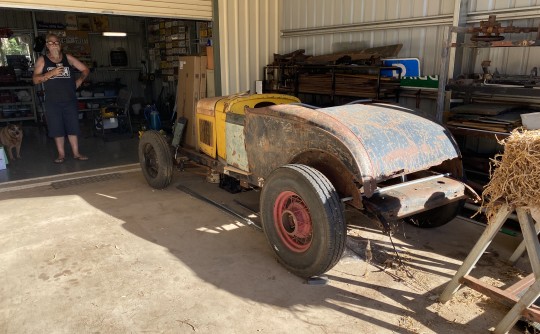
(112, 255)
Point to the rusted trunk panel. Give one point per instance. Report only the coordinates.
(375, 142)
(396, 141)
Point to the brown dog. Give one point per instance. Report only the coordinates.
(11, 138)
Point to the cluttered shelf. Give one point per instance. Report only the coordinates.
(17, 103)
(479, 127)
(465, 131)
(477, 47)
(489, 118)
(335, 78)
(517, 85)
(496, 105)
(485, 109)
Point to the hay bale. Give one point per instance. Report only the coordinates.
(515, 174)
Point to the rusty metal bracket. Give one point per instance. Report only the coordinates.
(491, 30)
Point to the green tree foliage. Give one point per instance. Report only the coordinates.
(12, 46)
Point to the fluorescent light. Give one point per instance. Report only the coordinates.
(114, 34)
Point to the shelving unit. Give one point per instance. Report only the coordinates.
(99, 100)
(333, 81)
(167, 40)
(478, 128)
(14, 110)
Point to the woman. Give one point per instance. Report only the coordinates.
(55, 71)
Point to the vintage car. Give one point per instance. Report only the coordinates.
(310, 162)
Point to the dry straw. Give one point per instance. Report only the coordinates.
(515, 174)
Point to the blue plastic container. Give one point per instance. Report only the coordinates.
(152, 117)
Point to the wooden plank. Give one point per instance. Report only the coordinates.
(530, 237)
(235, 170)
(377, 52)
(522, 308)
(478, 126)
(479, 248)
(521, 248)
(503, 296)
(521, 285)
(506, 297)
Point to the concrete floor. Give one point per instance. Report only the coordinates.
(109, 254)
(38, 152)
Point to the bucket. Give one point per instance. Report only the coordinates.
(136, 108)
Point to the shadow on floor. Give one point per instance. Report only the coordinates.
(38, 152)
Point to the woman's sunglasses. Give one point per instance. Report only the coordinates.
(53, 43)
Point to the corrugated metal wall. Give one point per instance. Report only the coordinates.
(505, 60)
(184, 9)
(16, 19)
(252, 31)
(356, 24)
(249, 36)
(325, 26)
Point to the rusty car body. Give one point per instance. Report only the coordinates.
(310, 162)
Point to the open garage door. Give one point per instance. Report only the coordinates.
(182, 9)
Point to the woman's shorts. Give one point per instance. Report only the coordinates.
(62, 118)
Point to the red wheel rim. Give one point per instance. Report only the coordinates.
(293, 222)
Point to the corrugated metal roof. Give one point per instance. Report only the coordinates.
(185, 9)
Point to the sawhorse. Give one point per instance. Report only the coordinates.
(529, 286)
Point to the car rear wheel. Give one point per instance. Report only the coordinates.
(156, 160)
(436, 217)
(302, 218)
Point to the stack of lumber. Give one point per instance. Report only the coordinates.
(490, 117)
(364, 85)
(291, 58)
(315, 83)
(361, 85)
(367, 56)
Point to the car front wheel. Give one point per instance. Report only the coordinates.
(155, 159)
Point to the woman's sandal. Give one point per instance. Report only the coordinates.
(59, 160)
(81, 158)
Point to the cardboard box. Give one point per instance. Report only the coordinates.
(190, 91)
(210, 83)
(3, 158)
(531, 121)
(258, 86)
(202, 84)
(210, 55)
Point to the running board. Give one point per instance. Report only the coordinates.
(410, 198)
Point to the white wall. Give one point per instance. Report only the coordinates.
(357, 24)
(366, 23)
(249, 36)
(327, 26)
